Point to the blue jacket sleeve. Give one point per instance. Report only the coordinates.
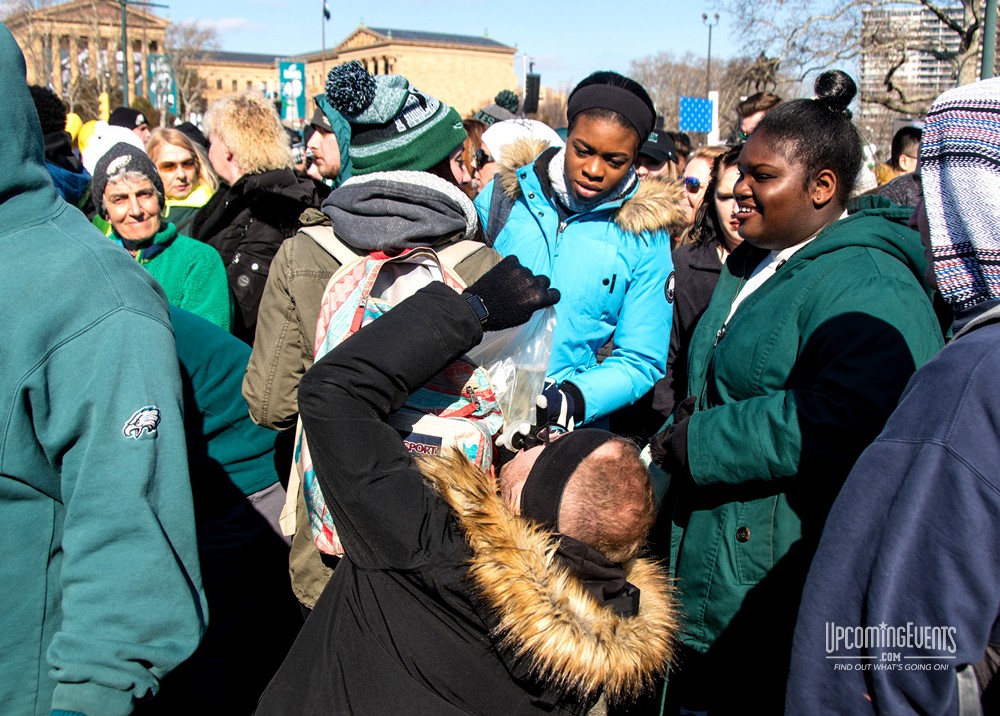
(132, 601)
(641, 338)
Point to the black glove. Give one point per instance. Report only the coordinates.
(669, 448)
(509, 294)
(685, 409)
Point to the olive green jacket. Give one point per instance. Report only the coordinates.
(283, 352)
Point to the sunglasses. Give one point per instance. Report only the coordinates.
(482, 158)
(692, 184)
(171, 166)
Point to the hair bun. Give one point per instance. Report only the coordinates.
(836, 90)
(350, 88)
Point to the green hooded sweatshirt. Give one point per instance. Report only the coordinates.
(789, 391)
(101, 589)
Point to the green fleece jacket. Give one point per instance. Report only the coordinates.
(190, 272)
(101, 589)
(789, 392)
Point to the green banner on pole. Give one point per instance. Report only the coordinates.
(162, 87)
(293, 90)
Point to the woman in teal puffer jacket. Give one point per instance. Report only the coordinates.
(817, 322)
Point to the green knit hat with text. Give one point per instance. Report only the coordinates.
(393, 124)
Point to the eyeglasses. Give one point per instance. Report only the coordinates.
(692, 184)
(482, 158)
(171, 166)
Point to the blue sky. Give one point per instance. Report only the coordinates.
(566, 41)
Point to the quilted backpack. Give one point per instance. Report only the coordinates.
(457, 407)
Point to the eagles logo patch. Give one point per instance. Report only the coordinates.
(668, 288)
(143, 420)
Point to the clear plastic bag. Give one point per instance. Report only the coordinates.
(516, 359)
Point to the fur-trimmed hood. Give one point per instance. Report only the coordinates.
(543, 613)
(657, 205)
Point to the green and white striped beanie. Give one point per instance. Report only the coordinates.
(393, 124)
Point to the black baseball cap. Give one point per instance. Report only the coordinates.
(659, 147)
(127, 117)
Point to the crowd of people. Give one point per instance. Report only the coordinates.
(233, 478)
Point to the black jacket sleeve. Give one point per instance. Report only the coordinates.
(385, 514)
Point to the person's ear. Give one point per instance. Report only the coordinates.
(907, 163)
(823, 188)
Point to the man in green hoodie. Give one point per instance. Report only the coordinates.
(330, 143)
(102, 593)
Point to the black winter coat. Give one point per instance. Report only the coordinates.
(403, 626)
(246, 223)
(696, 271)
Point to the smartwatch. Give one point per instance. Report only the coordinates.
(478, 307)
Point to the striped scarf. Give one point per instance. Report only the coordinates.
(960, 170)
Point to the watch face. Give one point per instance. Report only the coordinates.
(478, 306)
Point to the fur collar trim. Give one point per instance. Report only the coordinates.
(657, 205)
(544, 615)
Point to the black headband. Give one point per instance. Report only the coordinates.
(546, 481)
(617, 99)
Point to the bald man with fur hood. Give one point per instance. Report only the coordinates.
(460, 592)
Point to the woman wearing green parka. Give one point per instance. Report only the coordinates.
(818, 320)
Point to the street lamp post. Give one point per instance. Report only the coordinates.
(125, 78)
(125, 51)
(708, 66)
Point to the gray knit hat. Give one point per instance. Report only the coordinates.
(504, 107)
(393, 124)
(119, 159)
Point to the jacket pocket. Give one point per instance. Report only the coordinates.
(753, 540)
(247, 277)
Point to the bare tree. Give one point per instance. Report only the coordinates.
(44, 52)
(894, 45)
(37, 34)
(188, 44)
(806, 36)
(552, 109)
(668, 77)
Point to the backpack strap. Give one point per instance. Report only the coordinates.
(454, 254)
(500, 207)
(328, 241)
(969, 703)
